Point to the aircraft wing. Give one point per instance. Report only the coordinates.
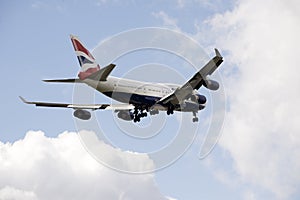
(82, 106)
(195, 82)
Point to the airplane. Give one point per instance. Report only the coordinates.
(137, 98)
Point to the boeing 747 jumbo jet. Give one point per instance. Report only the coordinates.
(138, 98)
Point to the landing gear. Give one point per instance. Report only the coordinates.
(195, 119)
(138, 114)
(170, 110)
(136, 119)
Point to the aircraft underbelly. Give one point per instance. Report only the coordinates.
(132, 98)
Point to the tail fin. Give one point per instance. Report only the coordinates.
(86, 60)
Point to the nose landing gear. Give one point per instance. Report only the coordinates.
(195, 119)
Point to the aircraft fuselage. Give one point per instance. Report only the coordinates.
(140, 93)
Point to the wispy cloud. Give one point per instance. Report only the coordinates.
(168, 21)
(208, 4)
(180, 3)
(41, 5)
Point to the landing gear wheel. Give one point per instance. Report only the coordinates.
(139, 112)
(170, 110)
(195, 119)
(136, 119)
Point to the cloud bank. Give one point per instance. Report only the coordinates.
(38, 167)
(260, 40)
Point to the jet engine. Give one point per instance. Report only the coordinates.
(125, 115)
(198, 98)
(82, 114)
(211, 84)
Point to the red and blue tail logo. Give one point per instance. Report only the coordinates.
(86, 60)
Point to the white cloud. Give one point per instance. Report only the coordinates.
(38, 167)
(180, 3)
(10, 193)
(105, 2)
(101, 2)
(261, 41)
(249, 195)
(38, 4)
(168, 21)
(208, 4)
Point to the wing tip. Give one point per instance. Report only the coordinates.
(218, 53)
(23, 99)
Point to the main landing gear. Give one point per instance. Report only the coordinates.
(138, 114)
(170, 110)
(195, 119)
(142, 112)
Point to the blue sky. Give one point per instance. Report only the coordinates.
(36, 40)
(35, 45)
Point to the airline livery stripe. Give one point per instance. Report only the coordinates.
(88, 72)
(79, 47)
(82, 60)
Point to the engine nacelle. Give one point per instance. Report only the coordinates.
(211, 84)
(200, 99)
(82, 114)
(125, 115)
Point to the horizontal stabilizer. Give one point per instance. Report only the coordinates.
(102, 74)
(70, 80)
